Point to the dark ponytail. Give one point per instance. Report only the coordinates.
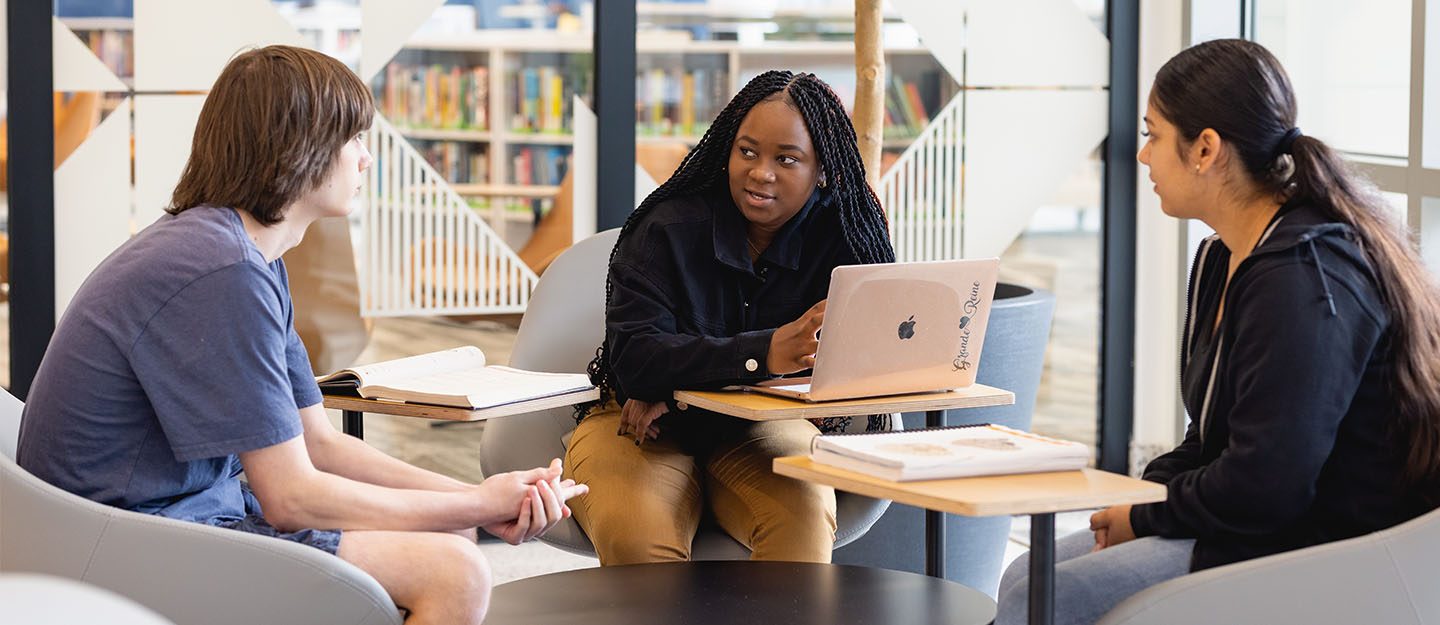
(861, 219)
(1240, 90)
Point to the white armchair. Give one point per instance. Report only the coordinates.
(1388, 577)
(187, 572)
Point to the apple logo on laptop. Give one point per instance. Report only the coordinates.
(907, 328)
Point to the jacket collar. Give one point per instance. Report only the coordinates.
(730, 234)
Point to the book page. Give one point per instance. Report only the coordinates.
(494, 386)
(393, 372)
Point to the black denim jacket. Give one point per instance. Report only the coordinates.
(688, 310)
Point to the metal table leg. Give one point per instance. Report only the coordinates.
(934, 519)
(1042, 568)
(353, 423)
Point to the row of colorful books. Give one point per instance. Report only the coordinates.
(540, 165)
(905, 113)
(436, 96)
(464, 162)
(540, 98)
(678, 103)
(456, 161)
(667, 102)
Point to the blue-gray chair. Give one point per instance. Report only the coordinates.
(1012, 358)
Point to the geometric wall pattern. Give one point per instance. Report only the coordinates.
(1031, 108)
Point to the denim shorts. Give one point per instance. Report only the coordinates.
(324, 540)
(254, 523)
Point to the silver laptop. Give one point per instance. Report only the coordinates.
(898, 328)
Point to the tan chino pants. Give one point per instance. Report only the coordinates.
(646, 501)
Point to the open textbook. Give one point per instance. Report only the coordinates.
(939, 453)
(456, 377)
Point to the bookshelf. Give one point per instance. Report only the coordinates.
(491, 110)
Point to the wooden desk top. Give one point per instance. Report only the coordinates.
(1027, 493)
(448, 413)
(761, 407)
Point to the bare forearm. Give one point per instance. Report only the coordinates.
(323, 500)
(350, 457)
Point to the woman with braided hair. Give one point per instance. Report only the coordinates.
(719, 277)
(1310, 361)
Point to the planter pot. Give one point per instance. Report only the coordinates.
(1012, 358)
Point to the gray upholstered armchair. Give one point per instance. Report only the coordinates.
(188, 572)
(1390, 576)
(562, 326)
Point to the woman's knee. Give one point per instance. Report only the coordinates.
(632, 530)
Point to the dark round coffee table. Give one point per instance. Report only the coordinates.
(737, 592)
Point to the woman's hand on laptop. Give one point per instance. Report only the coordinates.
(793, 345)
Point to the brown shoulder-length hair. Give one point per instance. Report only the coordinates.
(270, 130)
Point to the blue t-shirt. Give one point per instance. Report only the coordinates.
(177, 353)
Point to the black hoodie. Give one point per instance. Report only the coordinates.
(1290, 442)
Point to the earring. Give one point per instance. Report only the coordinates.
(821, 184)
(1197, 169)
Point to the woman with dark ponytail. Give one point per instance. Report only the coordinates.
(719, 277)
(1310, 360)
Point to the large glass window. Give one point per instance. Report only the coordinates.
(1350, 64)
(1351, 67)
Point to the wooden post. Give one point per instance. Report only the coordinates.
(869, 86)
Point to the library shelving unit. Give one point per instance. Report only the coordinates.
(491, 110)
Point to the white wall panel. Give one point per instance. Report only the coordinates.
(941, 28)
(76, 67)
(92, 204)
(164, 125)
(1042, 43)
(583, 166)
(1020, 146)
(181, 45)
(384, 27)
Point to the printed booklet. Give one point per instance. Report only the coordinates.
(948, 452)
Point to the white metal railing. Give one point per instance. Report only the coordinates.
(921, 192)
(424, 251)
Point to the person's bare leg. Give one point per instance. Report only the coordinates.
(438, 577)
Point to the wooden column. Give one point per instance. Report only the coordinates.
(869, 86)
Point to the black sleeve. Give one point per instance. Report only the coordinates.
(1184, 457)
(1294, 368)
(650, 359)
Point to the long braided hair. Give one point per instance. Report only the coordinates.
(861, 219)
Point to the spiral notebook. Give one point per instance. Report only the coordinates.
(948, 452)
